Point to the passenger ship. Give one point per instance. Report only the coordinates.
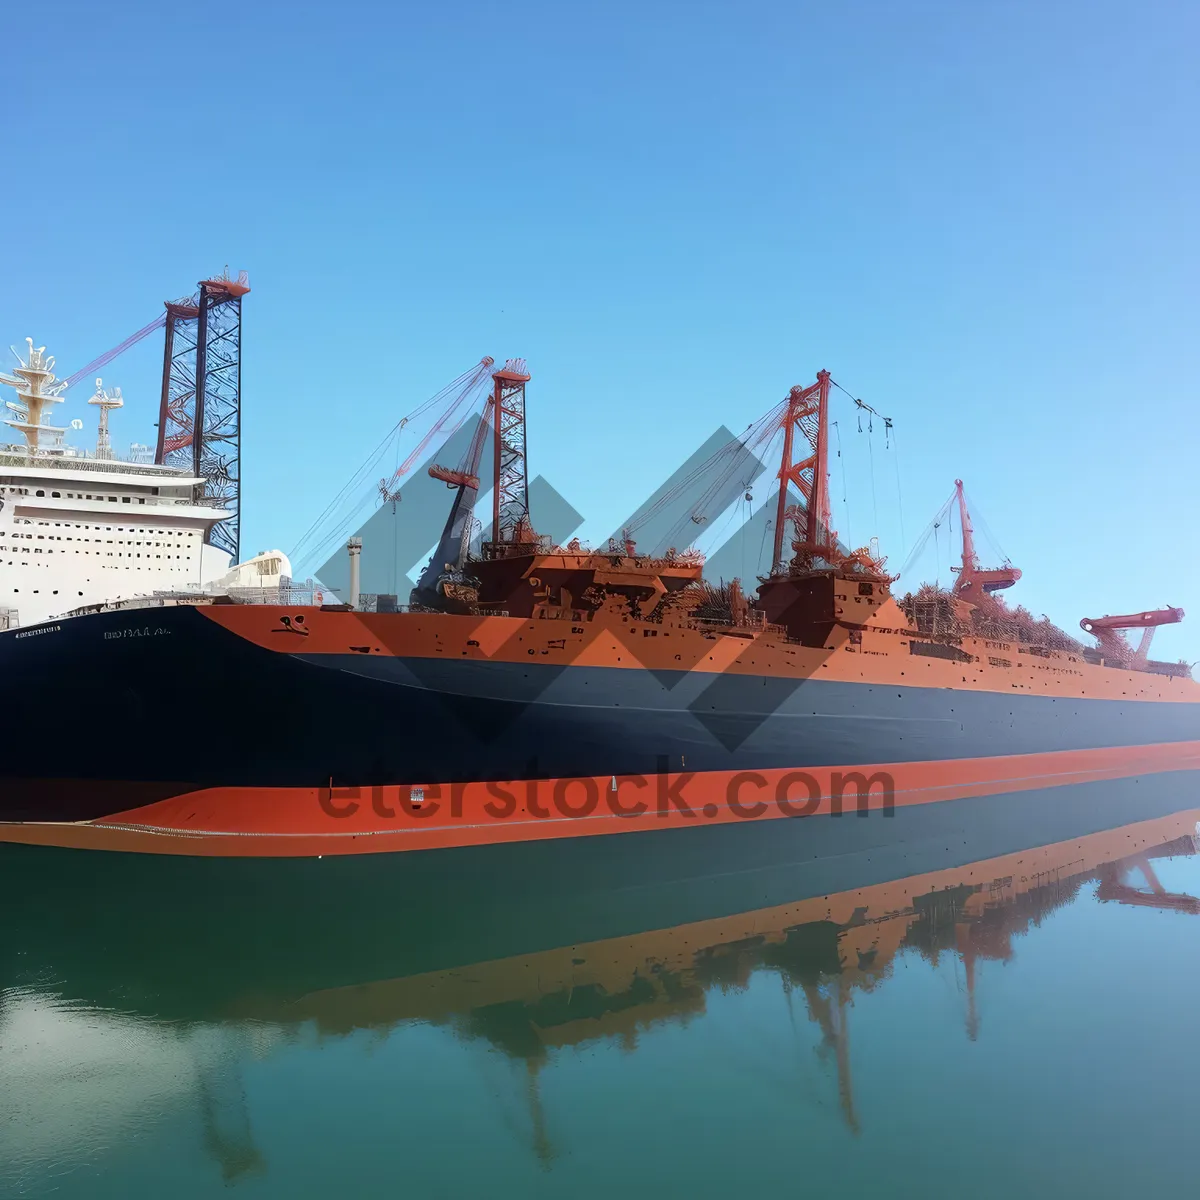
(85, 528)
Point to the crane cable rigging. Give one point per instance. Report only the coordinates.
(945, 516)
(889, 443)
(451, 407)
(758, 437)
(719, 468)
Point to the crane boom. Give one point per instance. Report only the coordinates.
(109, 355)
(443, 578)
(1153, 618)
(970, 560)
(1109, 632)
(974, 583)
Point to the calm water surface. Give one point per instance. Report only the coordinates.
(1023, 1025)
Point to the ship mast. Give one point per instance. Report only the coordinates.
(105, 401)
(34, 380)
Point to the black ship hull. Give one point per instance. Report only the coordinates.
(131, 707)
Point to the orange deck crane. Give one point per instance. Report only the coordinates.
(444, 578)
(1108, 631)
(807, 413)
(974, 582)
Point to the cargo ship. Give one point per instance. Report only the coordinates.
(538, 692)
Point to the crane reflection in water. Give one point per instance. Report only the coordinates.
(176, 1029)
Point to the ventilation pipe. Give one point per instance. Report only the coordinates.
(354, 545)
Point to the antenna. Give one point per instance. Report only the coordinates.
(105, 402)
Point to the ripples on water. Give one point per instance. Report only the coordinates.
(1020, 1025)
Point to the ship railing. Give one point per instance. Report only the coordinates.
(1175, 670)
(298, 597)
(293, 597)
(157, 600)
(75, 462)
(387, 602)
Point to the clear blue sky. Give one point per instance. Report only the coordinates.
(981, 217)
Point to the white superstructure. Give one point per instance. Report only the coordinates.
(78, 528)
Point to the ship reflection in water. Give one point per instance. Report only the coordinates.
(1022, 1024)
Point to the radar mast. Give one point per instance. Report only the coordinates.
(34, 381)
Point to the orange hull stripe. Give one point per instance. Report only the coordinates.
(310, 821)
(882, 659)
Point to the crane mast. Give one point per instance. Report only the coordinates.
(807, 414)
(510, 494)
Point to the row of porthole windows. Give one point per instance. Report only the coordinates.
(17, 592)
(21, 491)
(42, 537)
(109, 553)
(148, 538)
(145, 568)
(58, 537)
(78, 525)
(89, 496)
(190, 533)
